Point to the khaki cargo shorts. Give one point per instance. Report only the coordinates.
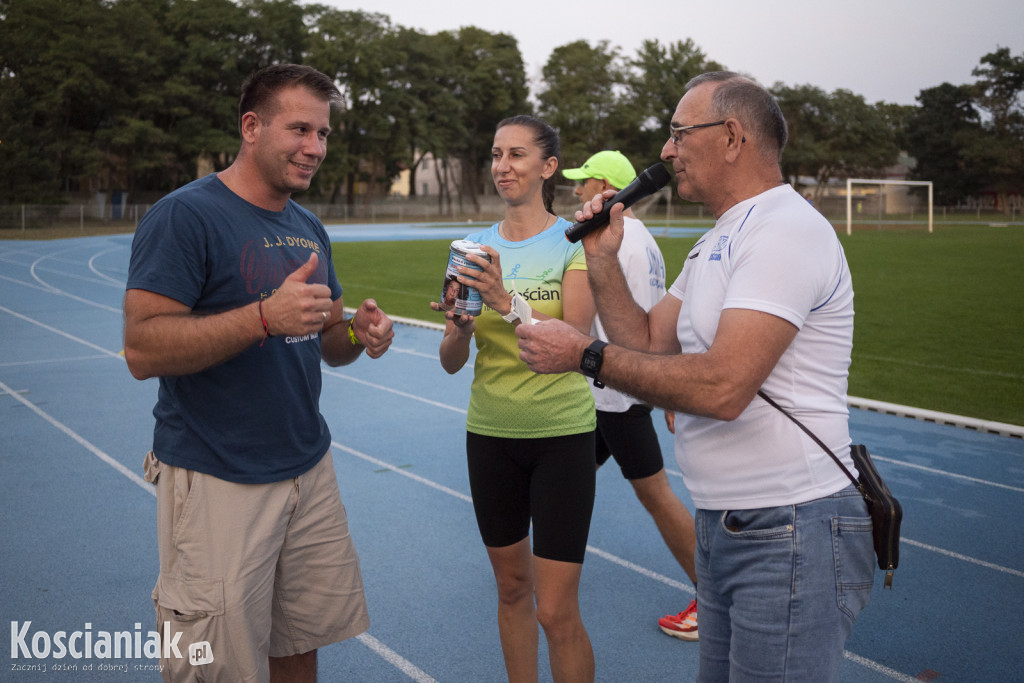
(249, 571)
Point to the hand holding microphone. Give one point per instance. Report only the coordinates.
(646, 184)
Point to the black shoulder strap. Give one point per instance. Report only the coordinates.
(809, 433)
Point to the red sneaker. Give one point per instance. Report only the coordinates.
(682, 625)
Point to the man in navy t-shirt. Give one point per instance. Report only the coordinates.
(232, 301)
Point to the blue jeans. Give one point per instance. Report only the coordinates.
(778, 589)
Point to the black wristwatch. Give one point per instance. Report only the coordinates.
(590, 365)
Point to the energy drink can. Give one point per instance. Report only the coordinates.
(462, 299)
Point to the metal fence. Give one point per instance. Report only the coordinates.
(660, 207)
(32, 216)
(93, 215)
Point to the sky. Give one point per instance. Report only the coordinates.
(884, 50)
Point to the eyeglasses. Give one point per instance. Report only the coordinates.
(676, 132)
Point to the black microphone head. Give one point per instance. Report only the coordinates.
(655, 177)
(646, 184)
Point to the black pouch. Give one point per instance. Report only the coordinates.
(886, 512)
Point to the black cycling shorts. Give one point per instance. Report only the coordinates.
(630, 438)
(548, 481)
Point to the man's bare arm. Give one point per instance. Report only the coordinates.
(719, 383)
(164, 337)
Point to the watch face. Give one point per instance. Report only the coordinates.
(591, 362)
(593, 356)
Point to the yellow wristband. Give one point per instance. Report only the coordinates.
(352, 333)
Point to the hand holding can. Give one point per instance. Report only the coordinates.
(457, 297)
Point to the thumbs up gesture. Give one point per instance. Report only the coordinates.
(373, 328)
(297, 307)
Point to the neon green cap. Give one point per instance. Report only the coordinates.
(611, 166)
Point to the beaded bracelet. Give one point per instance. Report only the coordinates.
(351, 332)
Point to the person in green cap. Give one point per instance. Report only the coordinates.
(625, 430)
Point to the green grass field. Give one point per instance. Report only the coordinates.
(939, 317)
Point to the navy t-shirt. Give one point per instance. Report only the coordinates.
(254, 418)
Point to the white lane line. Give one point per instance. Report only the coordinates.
(50, 289)
(109, 278)
(404, 473)
(73, 338)
(944, 473)
(615, 559)
(47, 361)
(134, 478)
(880, 668)
(395, 659)
(57, 290)
(965, 558)
(414, 397)
(412, 352)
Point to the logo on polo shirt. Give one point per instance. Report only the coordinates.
(716, 251)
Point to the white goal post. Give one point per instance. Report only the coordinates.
(850, 182)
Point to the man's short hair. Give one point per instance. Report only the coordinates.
(743, 98)
(261, 87)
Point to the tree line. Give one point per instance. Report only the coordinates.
(141, 96)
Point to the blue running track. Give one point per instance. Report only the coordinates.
(79, 552)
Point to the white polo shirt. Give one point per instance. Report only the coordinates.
(776, 254)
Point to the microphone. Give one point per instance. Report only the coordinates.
(646, 184)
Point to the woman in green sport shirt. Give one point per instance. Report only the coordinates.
(529, 437)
